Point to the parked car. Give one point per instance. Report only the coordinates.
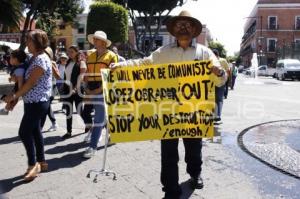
(264, 70)
(288, 68)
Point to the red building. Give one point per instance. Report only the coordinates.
(271, 28)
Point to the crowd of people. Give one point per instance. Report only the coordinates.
(221, 91)
(77, 79)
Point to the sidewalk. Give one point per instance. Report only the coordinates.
(227, 171)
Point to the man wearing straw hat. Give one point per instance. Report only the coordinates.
(101, 58)
(184, 28)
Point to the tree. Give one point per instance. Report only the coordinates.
(220, 47)
(235, 58)
(113, 18)
(10, 12)
(147, 13)
(48, 11)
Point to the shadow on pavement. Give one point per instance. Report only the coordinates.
(55, 139)
(10, 140)
(187, 191)
(10, 183)
(66, 148)
(66, 161)
(52, 140)
(69, 160)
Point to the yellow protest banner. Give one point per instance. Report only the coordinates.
(164, 101)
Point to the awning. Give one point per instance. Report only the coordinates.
(11, 45)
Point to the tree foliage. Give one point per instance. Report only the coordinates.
(48, 11)
(10, 12)
(153, 13)
(236, 57)
(110, 18)
(220, 47)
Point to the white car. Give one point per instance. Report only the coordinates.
(261, 71)
(264, 70)
(288, 68)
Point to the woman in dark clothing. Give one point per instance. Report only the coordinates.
(74, 71)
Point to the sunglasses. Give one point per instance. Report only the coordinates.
(186, 24)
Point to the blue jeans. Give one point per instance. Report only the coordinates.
(99, 120)
(30, 131)
(219, 101)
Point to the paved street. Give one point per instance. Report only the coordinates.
(228, 172)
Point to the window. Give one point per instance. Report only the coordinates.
(272, 44)
(80, 29)
(297, 22)
(156, 43)
(272, 22)
(279, 65)
(297, 44)
(80, 43)
(62, 26)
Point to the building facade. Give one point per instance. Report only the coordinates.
(63, 37)
(271, 29)
(67, 35)
(79, 32)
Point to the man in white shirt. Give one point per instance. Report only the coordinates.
(184, 28)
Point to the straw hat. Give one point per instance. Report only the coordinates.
(99, 35)
(184, 15)
(49, 52)
(63, 55)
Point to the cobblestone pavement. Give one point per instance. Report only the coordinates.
(268, 142)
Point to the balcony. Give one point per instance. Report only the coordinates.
(246, 50)
(249, 33)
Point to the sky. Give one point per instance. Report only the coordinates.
(224, 18)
